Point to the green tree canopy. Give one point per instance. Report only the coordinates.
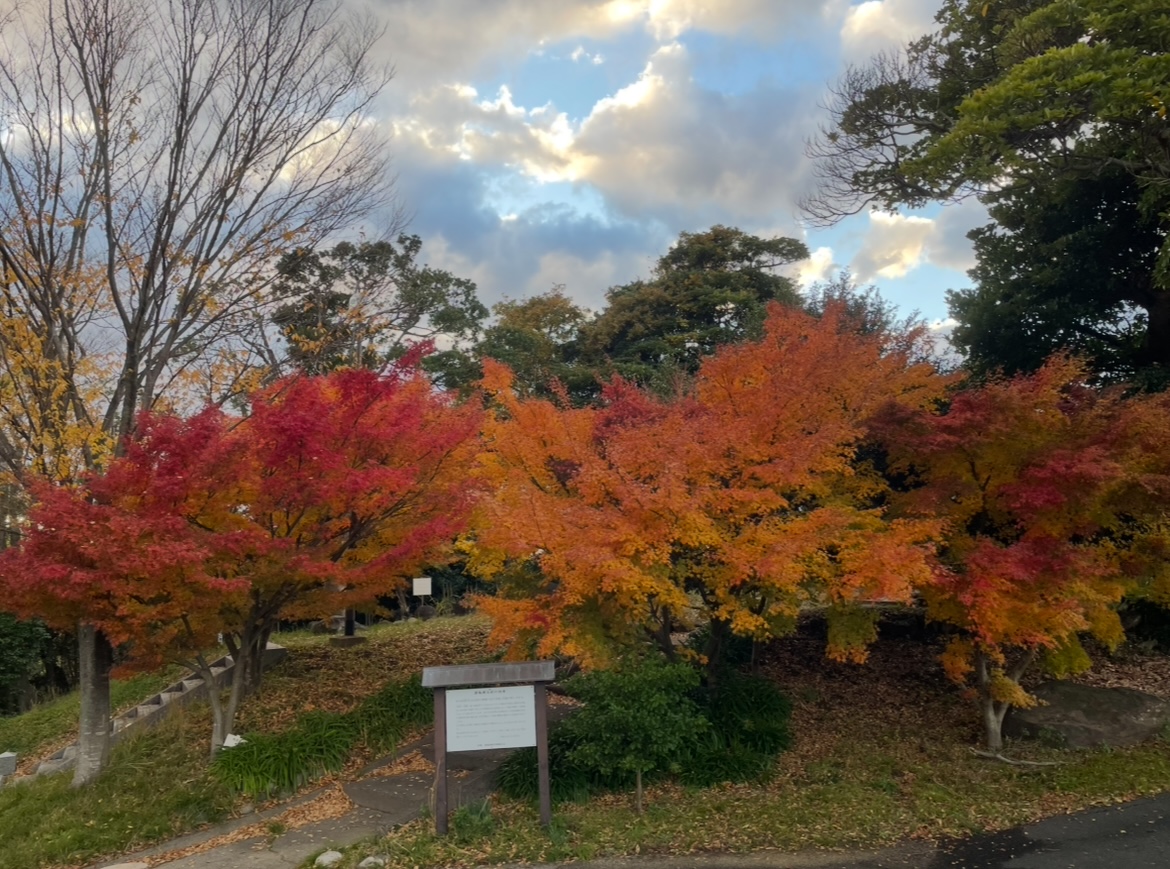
(1053, 113)
(710, 289)
(535, 337)
(363, 305)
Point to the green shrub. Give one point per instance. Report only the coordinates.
(385, 718)
(729, 734)
(568, 782)
(750, 712)
(735, 650)
(718, 762)
(637, 718)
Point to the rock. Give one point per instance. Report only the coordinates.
(8, 763)
(129, 866)
(1081, 716)
(329, 858)
(247, 809)
(424, 612)
(371, 862)
(52, 767)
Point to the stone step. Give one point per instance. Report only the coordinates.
(146, 710)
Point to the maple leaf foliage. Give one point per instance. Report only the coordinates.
(330, 492)
(745, 494)
(1036, 478)
(88, 557)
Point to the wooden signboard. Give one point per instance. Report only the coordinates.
(502, 706)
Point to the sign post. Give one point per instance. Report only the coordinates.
(495, 706)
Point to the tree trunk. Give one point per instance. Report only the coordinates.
(993, 711)
(255, 660)
(993, 714)
(661, 635)
(720, 630)
(223, 713)
(95, 657)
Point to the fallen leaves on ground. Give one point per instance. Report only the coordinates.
(320, 676)
(331, 803)
(410, 762)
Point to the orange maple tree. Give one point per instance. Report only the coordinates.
(742, 500)
(1045, 485)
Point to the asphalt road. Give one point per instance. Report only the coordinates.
(1131, 836)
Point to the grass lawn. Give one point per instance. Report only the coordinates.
(881, 755)
(158, 784)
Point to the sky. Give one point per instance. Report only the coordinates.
(568, 142)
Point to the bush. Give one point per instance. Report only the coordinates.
(730, 734)
(636, 719)
(750, 712)
(518, 776)
(750, 726)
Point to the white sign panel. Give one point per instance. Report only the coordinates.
(422, 585)
(480, 718)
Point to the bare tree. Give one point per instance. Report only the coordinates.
(154, 157)
(882, 116)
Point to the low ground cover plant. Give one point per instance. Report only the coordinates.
(267, 764)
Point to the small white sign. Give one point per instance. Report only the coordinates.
(479, 718)
(422, 586)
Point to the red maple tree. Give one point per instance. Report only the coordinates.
(1036, 480)
(332, 491)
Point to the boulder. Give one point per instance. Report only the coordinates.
(329, 858)
(1081, 716)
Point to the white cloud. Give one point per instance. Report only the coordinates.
(944, 351)
(587, 279)
(445, 40)
(894, 245)
(878, 25)
(669, 19)
(949, 246)
(663, 150)
(820, 266)
(660, 146)
(579, 54)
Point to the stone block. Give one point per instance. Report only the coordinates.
(1081, 716)
(8, 763)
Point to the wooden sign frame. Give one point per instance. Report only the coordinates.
(535, 673)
